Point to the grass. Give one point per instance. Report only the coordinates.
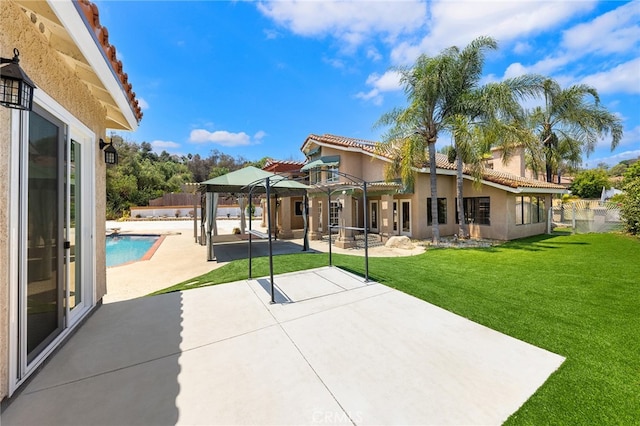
(575, 295)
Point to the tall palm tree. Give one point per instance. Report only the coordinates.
(570, 122)
(434, 87)
(487, 115)
(439, 89)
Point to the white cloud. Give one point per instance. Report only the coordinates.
(159, 145)
(616, 31)
(348, 20)
(624, 78)
(454, 23)
(612, 38)
(334, 62)
(387, 82)
(522, 47)
(224, 138)
(612, 160)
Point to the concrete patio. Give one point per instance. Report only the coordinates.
(334, 349)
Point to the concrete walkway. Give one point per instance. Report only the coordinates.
(334, 350)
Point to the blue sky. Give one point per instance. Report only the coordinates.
(254, 79)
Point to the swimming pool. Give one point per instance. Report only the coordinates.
(123, 249)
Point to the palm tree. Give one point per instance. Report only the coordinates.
(487, 115)
(439, 89)
(570, 122)
(433, 87)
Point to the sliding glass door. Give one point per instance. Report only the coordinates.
(42, 297)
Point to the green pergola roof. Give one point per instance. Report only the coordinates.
(327, 161)
(244, 180)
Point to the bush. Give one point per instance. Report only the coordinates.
(589, 183)
(630, 211)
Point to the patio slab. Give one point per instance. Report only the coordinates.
(337, 350)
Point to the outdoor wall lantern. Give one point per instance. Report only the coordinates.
(16, 88)
(110, 153)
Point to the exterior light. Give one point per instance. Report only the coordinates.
(110, 153)
(16, 88)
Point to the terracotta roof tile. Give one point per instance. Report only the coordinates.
(442, 162)
(283, 165)
(90, 11)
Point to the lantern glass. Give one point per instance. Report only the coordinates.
(16, 89)
(110, 155)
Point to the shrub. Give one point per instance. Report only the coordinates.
(589, 183)
(630, 211)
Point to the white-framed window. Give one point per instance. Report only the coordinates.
(332, 174)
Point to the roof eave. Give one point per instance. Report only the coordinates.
(74, 21)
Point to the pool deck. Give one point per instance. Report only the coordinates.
(179, 258)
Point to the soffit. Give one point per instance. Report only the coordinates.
(102, 73)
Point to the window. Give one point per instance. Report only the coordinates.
(299, 208)
(442, 211)
(529, 209)
(477, 210)
(334, 210)
(315, 176)
(332, 174)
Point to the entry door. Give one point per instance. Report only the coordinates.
(405, 217)
(374, 213)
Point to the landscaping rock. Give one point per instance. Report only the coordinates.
(402, 242)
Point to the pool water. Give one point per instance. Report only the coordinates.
(128, 248)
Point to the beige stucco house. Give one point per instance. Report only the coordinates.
(52, 177)
(504, 206)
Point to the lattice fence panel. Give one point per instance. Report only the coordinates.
(585, 216)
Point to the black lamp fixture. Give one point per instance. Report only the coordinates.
(16, 88)
(110, 153)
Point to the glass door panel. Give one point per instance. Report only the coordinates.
(395, 216)
(405, 217)
(73, 230)
(43, 228)
(373, 215)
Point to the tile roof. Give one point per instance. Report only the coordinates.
(90, 11)
(369, 147)
(283, 165)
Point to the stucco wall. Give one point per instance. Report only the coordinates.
(52, 75)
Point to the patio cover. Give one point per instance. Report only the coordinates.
(249, 179)
(243, 180)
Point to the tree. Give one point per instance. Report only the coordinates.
(570, 122)
(486, 115)
(433, 87)
(589, 183)
(630, 210)
(443, 92)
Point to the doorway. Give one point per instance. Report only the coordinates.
(374, 213)
(405, 217)
(52, 274)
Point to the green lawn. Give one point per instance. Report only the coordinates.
(575, 295)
